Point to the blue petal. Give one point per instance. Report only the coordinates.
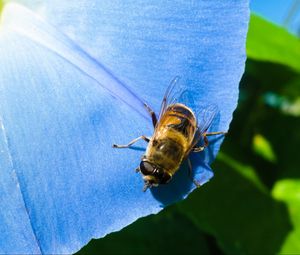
(64, 184)
(16, 236)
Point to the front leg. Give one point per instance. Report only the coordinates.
(147, 139)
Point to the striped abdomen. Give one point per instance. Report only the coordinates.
(172, 138)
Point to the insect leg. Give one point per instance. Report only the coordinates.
(215, 133)
(190, 168)
(147, 185)
(147, 139)
(201, 148)
(205, 141)
(198, 149)
(152, 114)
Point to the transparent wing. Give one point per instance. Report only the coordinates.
(172, 94)
(177, 93)
(205, 116)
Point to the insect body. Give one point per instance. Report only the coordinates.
(168, 147)
(176, 134)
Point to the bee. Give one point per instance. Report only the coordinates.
(177, 133)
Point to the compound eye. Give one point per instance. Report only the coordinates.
(146, 168)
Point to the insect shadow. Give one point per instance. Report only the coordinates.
(137, 148)
(182, 181)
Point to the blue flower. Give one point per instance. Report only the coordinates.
(64, 102)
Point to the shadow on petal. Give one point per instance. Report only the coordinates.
(182, 183)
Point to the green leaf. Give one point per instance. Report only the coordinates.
(289, 191)
(243, 218)
(245, 171)
(167, 232)
(271, 43)
(268, 106)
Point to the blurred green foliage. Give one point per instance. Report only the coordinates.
(270, 43)
(252, 205)
(1, 6)
(288, 190)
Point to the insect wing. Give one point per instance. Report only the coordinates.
(176, 93)
(171, 96)
(205, 116)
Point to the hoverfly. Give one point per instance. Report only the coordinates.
(177, 132)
